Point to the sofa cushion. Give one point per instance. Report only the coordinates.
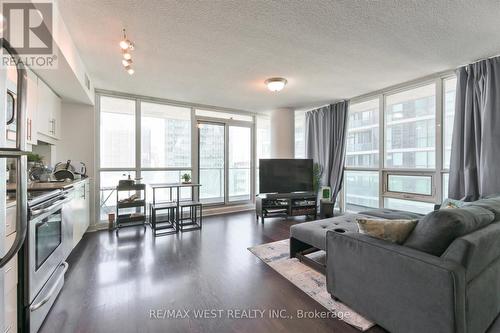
(392, 214)
(438, 229)
(395, 231)
(314, 233)
(491, 204)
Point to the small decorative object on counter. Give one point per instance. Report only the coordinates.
(186, 178)
(126, 182)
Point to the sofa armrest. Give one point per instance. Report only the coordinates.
(401, 289)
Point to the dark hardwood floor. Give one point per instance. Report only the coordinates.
(115, 281)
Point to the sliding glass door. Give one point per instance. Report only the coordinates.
(225, 162)
(239, 163)
(212, 162)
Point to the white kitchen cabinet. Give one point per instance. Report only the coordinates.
(31, 108)
(48, 111)
(81, 206)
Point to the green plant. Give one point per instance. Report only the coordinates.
(186, 177)
(34, 158)
(317, 173)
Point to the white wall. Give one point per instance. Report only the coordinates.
(282, 133)
(78, 141)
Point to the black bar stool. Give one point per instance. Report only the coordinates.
(194, 217)
(167, 226)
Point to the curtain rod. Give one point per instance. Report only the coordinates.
(479, 60)
(322, 106)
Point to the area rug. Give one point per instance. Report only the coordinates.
(310, 281)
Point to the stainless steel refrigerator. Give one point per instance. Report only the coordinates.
(13, 178)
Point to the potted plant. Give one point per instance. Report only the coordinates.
(34, 159)
(317, 173)
(186, 178)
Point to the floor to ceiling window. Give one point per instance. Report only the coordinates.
(300, 134)
(404, 163)
(212, 162)
(361, 187)
(165, 146)
(239, 163)
(156, 142)
(117, 148)
(263, 143)
(225, 157)
(449, 86)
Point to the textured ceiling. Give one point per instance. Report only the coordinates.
(219, 52)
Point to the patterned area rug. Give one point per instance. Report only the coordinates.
(313, 283)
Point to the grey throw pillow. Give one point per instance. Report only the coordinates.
(395, 231)
(438, 229)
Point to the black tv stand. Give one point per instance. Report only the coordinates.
(286, 204)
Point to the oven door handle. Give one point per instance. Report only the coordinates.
(52, 290)
(21, 211)
(60, 202)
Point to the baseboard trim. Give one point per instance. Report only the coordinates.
(208, 211)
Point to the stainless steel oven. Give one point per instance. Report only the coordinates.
(44, 254)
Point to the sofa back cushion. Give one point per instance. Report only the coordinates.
(438, 229)
(491, 204)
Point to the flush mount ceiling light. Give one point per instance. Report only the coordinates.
(126, 45)
(276, 84)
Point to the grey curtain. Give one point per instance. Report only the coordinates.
(475, 154)
(326, 130)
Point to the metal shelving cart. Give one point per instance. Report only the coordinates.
(139, 216)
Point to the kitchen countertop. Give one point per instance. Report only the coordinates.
(34, 186)
(46, 186)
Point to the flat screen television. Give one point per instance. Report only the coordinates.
(285, 175)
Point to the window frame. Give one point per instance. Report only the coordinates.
(227, 123)
(137, 168)
(435, 173)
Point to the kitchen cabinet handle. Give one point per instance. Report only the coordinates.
(52, 126)
(29, 129)
(52, 290)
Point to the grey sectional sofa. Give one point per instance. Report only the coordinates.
(312, 235)
(444, 278)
